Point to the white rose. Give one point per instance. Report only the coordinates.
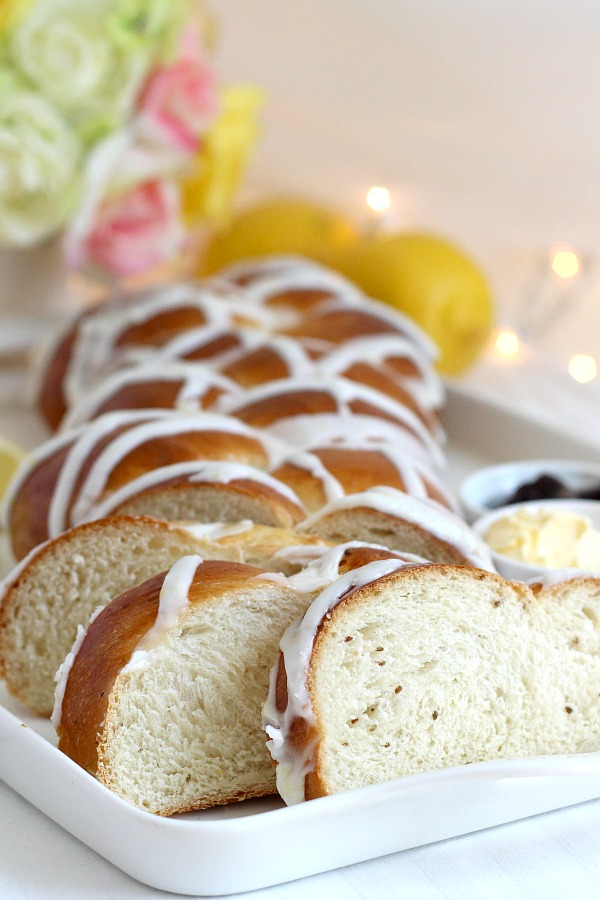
(66, 50)
(39, 158)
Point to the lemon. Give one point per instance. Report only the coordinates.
(10, 458)
(433, 282)
(282, 225)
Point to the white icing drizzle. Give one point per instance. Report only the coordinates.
(316, 429)
(290, 264)
(426, 388)
(296, 646)
(193, 471)
(87, 437)
(64, 670)
(432, 517)
(31, 461)
(215, 531)
(419, 470)
(403, 324)
(413, 472)
(331, 487)
(98, 334)
(410, 471)
(173, 599)
(195, 338)
(275, 577)
(291, 352)
(171, 424)
(324, 566)
(299, 554)
(343, 392)
(225, 472)
(262, 290)
(196, 380)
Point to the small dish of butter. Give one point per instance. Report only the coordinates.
(540, 536)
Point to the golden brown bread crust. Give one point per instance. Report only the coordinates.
(266, 411)
(302, 402)
(157, 394)
(158, 328)
(373, 377)
(342, 324)
(227, 340)
(355, 557)
(257, 366)
(107, 648)
(164, 450)
(356, 469)
(51, 401)
(28, 514)
(301, 300)
(359, 470)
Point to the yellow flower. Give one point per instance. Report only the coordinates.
(208, 192)
(12, 12)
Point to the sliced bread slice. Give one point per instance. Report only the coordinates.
(401, 522)
(60, 584)
(161, 697)
(400, 669)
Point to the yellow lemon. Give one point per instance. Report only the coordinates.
(282, 225)
(434, 283)
(10, 458)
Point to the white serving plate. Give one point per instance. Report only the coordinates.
(259, 843)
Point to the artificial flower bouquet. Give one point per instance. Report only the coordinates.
(113, 130)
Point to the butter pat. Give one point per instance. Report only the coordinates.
(556, 539)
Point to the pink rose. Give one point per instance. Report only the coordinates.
(179, 101)
(134, 231)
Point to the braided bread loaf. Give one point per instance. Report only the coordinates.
(276, 399)
(353, 390)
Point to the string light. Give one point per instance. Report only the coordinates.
(378, 199)
(565, 263)
(582, 368)
(508, 344)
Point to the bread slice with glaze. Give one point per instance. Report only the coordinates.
(60, 584)
(161, 697)
(396, 670)
(384, 515)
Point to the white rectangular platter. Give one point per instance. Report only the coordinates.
(260, 843)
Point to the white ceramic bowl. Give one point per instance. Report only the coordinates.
(489, 488)
(522, 571)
